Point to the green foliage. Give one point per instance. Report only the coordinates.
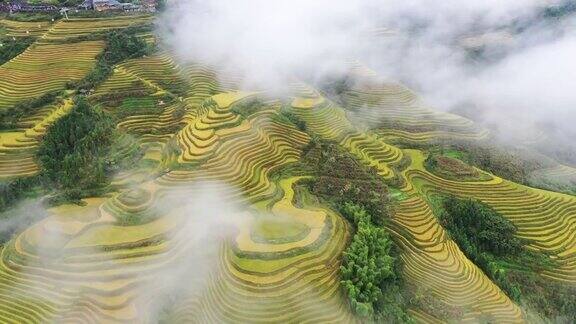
(480, 227)
(483, 235)
(369, 271)
(34, 16)
(288, 117)
(452, 169)
(121, 45)
(340, 178)
(511, 163)
(367, 262)
(13, 47)
(73, 152)
(336, 87)
(12, 191)
(356, 214)
(10, 117)
(246, 108)
(490, 241)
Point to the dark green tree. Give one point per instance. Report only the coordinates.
(13, 47)
(480, 226)
(121, 45)
(74, 149)
(490, 241)
(367, 262)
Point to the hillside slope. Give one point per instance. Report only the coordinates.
(151, 244)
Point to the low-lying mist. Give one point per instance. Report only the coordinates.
(504, 63)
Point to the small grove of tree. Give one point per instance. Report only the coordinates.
(490, 241)
(367, 262)
(121, 45)
(508, 162)
(336, 87)
(10, 117)
(13, 47)
(12, 190)
(340, 178)
(74, 149)
(483, 235)
(288, 117)
(34, 16)
(480, 226)
(370, 270)
(246, 108)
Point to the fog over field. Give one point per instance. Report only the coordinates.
(300, 161)
(502, 62)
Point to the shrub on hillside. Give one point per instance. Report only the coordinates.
(288, 117)
(34, 16)
(246, 108)
(10, 117)
(72, 153)
(480, 227)
(450, 168)
(371, 274)
(121, 45)
(490, 241)
(13, 47)
(341, 178)
(369, 271)
(513, 164)
(366, 262)
(12, 190)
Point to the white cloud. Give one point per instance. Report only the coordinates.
(271, 42)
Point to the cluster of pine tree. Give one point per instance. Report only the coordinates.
(367, 262)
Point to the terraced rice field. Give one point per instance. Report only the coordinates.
(280, 263)
(24, 28)
(548, 219)
(44, 68)
(17, 148)
(76, 27)
(396, 113)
